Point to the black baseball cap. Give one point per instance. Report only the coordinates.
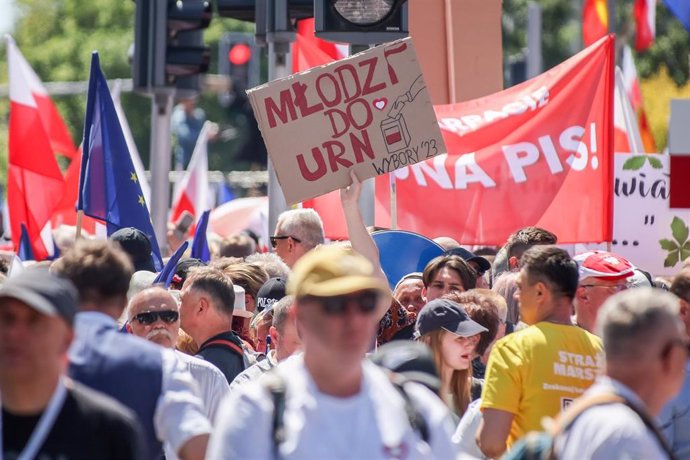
(137, 245)
(272, 291)
(469, 256)
(448, 315)
(412, 360)
(44, 292)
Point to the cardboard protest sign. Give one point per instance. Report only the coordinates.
(370, 112)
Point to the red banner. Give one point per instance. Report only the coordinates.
(540, 153)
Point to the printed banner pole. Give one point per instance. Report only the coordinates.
(394, 201)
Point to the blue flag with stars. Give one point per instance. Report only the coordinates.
(109, 188)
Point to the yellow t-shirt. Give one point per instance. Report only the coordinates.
(536, 372)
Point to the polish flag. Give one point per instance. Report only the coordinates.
(595, 21)
(309, 51)
(191, 193)
(645, 21)
(626, 134)
(35, 184)
(632, 87)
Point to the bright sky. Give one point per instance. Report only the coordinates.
(7, 15)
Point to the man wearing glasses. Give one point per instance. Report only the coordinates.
(335, 403)
(602, 274)
(298, 231)
(154, 315)
(646, 349)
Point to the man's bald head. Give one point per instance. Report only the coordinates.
(153, 314)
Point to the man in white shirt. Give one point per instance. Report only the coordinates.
(154, 315)
(148, 379)
(336, 403)
(284, 342)
(646, 350)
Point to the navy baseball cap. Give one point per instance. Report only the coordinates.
(44, 292)
(448, 315)
(469, 256)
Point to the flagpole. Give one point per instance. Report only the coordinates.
(80, 215)
(394, 201)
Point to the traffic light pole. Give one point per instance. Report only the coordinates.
(161, 110)
(278, 53)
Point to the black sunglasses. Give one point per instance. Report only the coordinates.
(274, 239)
(150, 317)
(337, 305)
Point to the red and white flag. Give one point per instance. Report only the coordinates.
(191, 193)
(645, 22)
(35, 185)
(626, 133)
(632, 88)
(309, 51)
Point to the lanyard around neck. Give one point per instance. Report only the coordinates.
(44, 425)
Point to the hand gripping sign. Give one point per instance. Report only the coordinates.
(370, 112)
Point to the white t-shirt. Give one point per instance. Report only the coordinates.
(610, 430)
(369, 425)
(465, 436)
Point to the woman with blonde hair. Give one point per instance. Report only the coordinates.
(453, 337)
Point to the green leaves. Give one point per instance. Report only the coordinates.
(636, 162)
(654, 162)
(679, 247)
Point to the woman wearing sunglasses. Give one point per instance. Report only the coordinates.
(453, 337)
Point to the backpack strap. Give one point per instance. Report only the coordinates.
(223, 343)
(414, 417)
(578, 406)
(275, 384)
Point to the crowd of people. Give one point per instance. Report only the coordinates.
(310, 351)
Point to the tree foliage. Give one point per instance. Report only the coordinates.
(57, 38)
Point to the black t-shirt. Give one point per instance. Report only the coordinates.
(89, 426)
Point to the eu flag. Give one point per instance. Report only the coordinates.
(200, 249)
(681, 9)
(109, 187)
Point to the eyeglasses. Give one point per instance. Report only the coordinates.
(150, 317)
(366, 302)
(274, 239)
(613, 287)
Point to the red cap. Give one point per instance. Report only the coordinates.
(603, 265)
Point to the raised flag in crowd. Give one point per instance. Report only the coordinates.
(645, 23)
(109, 187)
(191, 192)
(37, 134)
(632, 87)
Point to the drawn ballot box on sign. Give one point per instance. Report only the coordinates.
(395, 133)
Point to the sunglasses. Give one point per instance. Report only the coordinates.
(366, 302)
(150, 317)
(274, 239)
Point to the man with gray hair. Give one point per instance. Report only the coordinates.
(298, 231)
(284, 339)
(646, 350)
(153, 314)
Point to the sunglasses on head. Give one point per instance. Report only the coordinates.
(274, 239)
(366, 302)
(150, 317)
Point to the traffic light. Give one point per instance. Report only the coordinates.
(239, 58)
(169, 44)
(516, 70)
(360, 22)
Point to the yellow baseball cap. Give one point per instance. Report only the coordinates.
(332, 271)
